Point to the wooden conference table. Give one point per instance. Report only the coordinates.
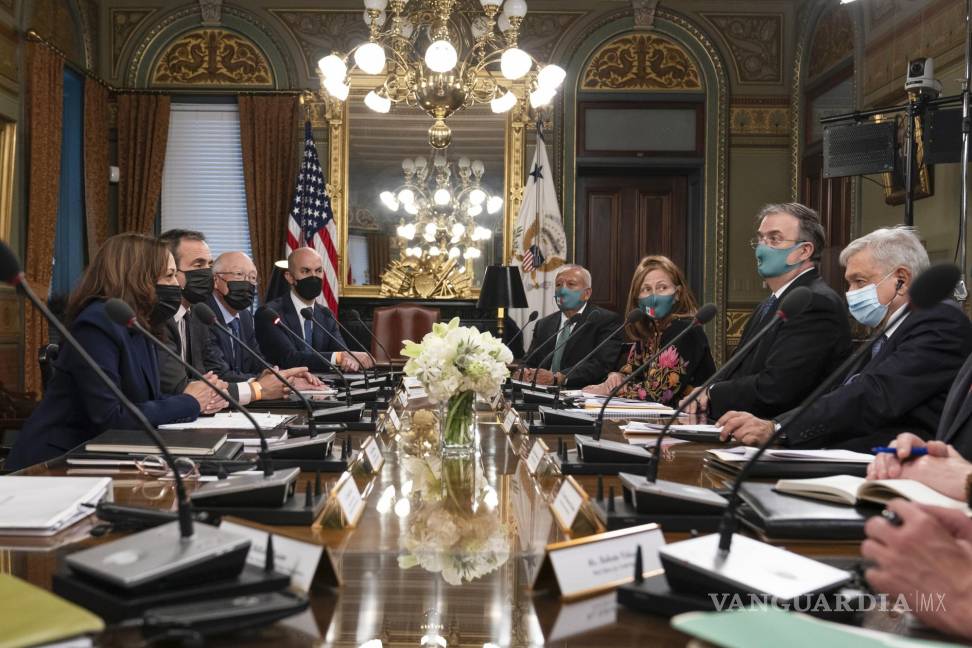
(379, 599)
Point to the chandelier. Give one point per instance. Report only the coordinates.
(444, 204)
(436, 58)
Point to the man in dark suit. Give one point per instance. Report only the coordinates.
(903, 385)
(592, 326)
(305, 275)
(794, 357)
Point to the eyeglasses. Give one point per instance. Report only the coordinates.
(772, 241)
(156, 466)
(240, 276)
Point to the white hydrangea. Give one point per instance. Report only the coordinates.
(453, 359)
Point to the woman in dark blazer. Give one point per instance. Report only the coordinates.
(658, 287)
(77, 406)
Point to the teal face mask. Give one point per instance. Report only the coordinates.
(657, 306)
(567, 299)
(771, 262)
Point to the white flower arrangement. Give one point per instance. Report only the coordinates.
(454, 359)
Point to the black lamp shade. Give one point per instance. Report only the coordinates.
(502, 288)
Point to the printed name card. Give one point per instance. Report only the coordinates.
(393, 420)
(509, 420)
(372, 453)
(495, 403)
(536, 455)
(596, 563)
(403, 397)
(568, 503)
(307, 564)
(349, 499)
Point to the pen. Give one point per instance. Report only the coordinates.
(891, 517)
(915, 452)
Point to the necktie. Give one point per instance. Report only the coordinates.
(183, 347)
(235, 327)
(767, 307)
(559, 353)
(309, 332)
(878, 345)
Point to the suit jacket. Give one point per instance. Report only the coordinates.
(903, 387)
(203, 354)
(955, 426)
(77, 405)
(248, 366)
(282, 350)
(789, 361)
(579, 344)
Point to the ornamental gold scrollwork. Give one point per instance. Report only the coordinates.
(426, 278)
(641, 62)
(212, 57)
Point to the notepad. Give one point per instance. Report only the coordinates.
(46, 505)
(136, 442)
(41, 618)
(231, 421)
(850, 490)
(624, 403)
(742, 454)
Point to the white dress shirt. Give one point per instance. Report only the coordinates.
(244, 391)
(299, 305)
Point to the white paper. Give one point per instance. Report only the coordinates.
(654, 428)
(567, 503)
(606, 560)
(231, 421)
(293, 557)
(607, 444)
(45, 505)
(596, 402)
(741, 454)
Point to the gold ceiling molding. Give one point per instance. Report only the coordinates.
(124, 23)
(755, 42)
(833, 41)
(212, 57)
(641, 62)
(760, 116)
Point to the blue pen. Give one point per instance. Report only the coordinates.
(915, 452)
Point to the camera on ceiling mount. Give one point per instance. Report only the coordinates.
(921, 79)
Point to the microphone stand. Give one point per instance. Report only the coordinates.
(344, 347)
(357, 316)
(354, 339)
(549, 356)
(537, 350)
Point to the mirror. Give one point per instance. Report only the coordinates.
(377, 146)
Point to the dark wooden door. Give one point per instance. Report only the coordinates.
(623, 218)
(831, 197)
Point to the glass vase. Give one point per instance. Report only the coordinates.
(457, 421)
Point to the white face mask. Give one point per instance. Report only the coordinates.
(865, 306)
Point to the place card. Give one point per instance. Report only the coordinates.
(403, 397)
(391, 416)
(349, 499)
(596, 563)
(495, 402)
(536, 455)
(509, 420)
(567, 503)
(307, 564)
(373, 455)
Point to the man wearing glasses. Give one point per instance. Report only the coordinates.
(794, 357)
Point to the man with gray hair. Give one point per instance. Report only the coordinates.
(570, 334)
(905, 381)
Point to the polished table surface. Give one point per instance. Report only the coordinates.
(398, 589)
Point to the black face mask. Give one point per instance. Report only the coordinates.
(168, 299)
(199, 285)
(309, 288)
(240, 295)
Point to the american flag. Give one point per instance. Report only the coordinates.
(532, 258)
(311, 222)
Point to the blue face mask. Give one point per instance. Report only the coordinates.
(771, 262)
(567, 299)
(657, 306)
(865, 305)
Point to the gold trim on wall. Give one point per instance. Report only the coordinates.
(8, 147)
(641, 61)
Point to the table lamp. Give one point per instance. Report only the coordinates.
(502, 288)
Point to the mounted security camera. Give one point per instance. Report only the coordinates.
(921, 77)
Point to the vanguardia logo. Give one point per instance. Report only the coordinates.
(829, 603)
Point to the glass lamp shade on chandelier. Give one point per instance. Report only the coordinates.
(443, 56)
(443, 206)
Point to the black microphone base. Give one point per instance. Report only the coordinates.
(247, 490)
(115, 604)
(302, 429)
(654, 596)
(294, 512)
(317, 447)
(340, 414)
(623, 515)
(662, 497)
(558, 428)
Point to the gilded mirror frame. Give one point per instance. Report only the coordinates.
(335, 116)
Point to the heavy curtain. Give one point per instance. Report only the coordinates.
(45, 98)
(268, 136)
(143, 130)
(95, 164)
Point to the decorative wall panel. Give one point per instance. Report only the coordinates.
(124, 23)
(755, 42)
(212, 57)
(641, 62)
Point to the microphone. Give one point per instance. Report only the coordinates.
(543, 344)
(357, 316)
(351, 335)
(705, 564)
(274, 319)
(308, 314)
(196, 545)
(122, 314)
(633, 317)
(702, 317)
(206, 315)
(532, 318)
(571, 322)
(929, 288)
